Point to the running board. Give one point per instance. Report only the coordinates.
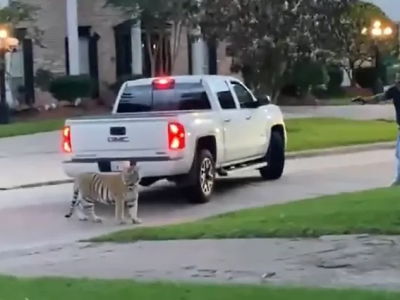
(240, 168)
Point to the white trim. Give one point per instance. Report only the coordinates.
(137, 51)
(73, 38)
(9, 96)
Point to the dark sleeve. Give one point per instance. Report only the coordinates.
(389, 94)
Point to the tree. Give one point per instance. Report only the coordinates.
(16, 13)
(13, 15)
(267, 38)
(162, 20)
(353, 46)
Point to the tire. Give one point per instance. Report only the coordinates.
(275, 157)
(197, 191)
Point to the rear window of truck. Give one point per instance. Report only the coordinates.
(183, 96)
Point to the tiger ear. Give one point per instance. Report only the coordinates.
(132, 163)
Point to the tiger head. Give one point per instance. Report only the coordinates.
(131, 175)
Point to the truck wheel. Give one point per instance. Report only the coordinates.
(202, 178)
(275, 158)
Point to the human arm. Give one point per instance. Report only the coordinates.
(385, 96)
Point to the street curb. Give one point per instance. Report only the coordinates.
(340, 150)
(290, 155)
(38, 184)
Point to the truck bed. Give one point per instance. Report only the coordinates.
(140, 115)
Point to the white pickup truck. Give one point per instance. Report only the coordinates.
(186, 129)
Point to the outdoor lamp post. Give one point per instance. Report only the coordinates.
(377, 32)
(7, 44)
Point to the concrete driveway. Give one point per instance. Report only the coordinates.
(358, 112)
(35, 217)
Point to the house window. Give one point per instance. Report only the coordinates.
(16, 74)
(84, 55)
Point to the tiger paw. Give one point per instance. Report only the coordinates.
(136, 221)
(123, 222)
(83, 218)
(97, 220)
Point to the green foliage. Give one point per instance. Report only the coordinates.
(43, 79)
(18, 12)
(121, 80)
(161, 20)
(365, 77)
(336, 77)
(307, 75)
(271, 37)
(70, 88)
(392, 73)
(351, 46)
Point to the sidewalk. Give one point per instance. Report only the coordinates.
(340, 261)
(30, 159)
(30, 169)
(364, 112)
(40, 143)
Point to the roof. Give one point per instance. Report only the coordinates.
(180, 78)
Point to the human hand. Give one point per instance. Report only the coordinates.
(358, 100)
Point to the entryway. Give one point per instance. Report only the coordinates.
(88, 55)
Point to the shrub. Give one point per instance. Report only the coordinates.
(70, 88)
(307, 75)
(392, 72)
(336, 77)
(43, 79)
(365, 77)
(122, 79)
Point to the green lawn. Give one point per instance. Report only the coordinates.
(85, 289)
(374, 211)
(315, 133)
(25, 128)
(343, 100)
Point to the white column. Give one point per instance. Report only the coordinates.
(137, 52)
(206, 69)
(73, 38)
(197, 54)
(9, 96)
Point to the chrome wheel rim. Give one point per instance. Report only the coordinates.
(206, 176)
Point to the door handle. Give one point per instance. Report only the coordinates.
(248, 117)
(227, 120)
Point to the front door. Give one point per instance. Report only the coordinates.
(232, 121)
(123, 49)
(257, 135)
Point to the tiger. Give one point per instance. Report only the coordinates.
(116, 189)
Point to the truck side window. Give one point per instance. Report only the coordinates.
(244, 97)
(225, 97)
(226, 100)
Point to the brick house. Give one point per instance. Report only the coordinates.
(105, 46)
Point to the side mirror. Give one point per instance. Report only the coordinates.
(263, 100)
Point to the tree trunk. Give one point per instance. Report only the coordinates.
(151, 54)
(275, 96)
(177, 37)
(161, 55)
(350, 73)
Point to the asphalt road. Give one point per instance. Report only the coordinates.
(35, 217)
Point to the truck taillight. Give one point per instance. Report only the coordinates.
(66, 139)
(176, 136)
(163, 83)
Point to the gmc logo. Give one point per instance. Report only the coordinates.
(118, 139)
